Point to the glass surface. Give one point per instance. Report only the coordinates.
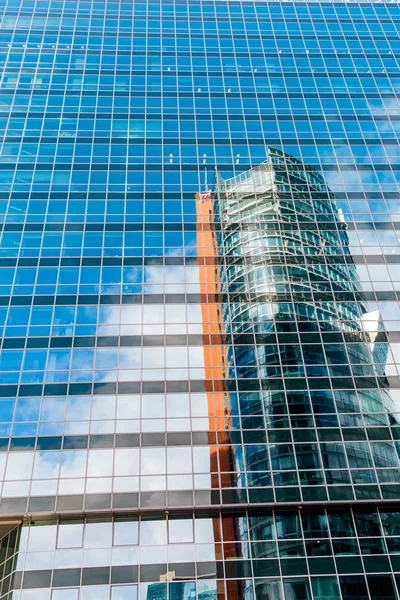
(199, 303)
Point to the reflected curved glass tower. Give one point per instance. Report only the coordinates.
(286, 274)
(199, 385)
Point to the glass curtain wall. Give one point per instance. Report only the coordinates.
(199, 300)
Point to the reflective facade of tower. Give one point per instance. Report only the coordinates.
(199, 283)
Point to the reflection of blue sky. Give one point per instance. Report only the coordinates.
(94, 470)
(105, 414)
(86, 364)
(27, 409)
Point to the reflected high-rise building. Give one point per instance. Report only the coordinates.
(295, 324)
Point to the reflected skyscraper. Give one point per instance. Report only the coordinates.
(288, 298)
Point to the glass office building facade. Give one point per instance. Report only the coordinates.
(199, 280)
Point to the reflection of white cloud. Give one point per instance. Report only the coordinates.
(53, 409)
(44, 487)
(179, 460)
(201, 459)
(47, 465)
(102, 427)
(128, 407)
(71, 486)
(98, 535)
(133, 275)
(153, 406)
(153, 533)
(70, 535)
(149, 319)
(3, 458)
(123, 363)
(15, 489)
(199, 405)
(204, 531)
(132, 467)
(70, 594)
(73, 463)
(176, 357)
(371, 323)
(99, 485)
(153, 358)
(178, 405)
(95, 592)
(171, 279)
(35, 595)
(130, 358)
(42, 537)
(78, 408)
(196, 357)
(155, 483)
(65, 559)
(103, 407)
(126, 461)
(181, 553)
(180, 482)
(190, 249)
(19, 465)
(152, 461)
(126, 484)
(153, 313)
(39, 560)
(100, 463)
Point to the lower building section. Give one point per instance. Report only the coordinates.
(293, 554)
